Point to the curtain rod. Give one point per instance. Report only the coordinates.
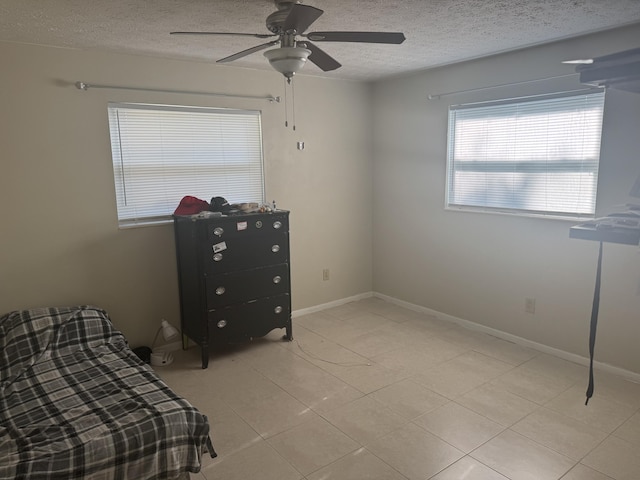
(86, 86)
(440, 95)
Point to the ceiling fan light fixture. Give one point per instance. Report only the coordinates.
(288, 60)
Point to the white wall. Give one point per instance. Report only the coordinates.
(480, 267)
(60, 243)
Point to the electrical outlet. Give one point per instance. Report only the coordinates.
(530, 305)
(325, 274)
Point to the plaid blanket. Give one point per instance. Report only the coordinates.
(76, 402)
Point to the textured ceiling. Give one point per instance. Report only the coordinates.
(438, 32)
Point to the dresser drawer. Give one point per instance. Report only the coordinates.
(226, 228)
(245, 252)
(250, 319)
(245, 285)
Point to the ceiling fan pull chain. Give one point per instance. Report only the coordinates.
(293, 104)
(286, 105)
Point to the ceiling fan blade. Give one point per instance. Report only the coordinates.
(246, 52)
(364, 37)
(256, 35)
(322, 59)
(301, 17)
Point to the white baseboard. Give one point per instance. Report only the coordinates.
(572, 357)
(335, 303)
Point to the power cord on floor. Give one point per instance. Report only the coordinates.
(329, 361)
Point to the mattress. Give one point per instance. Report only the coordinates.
(76, 402)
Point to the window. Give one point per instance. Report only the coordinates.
(535, 156)
(162, 153)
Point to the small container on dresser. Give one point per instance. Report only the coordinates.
(234, 277)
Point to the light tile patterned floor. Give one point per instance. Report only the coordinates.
(370, 390)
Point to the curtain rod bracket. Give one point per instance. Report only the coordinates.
(86, 86)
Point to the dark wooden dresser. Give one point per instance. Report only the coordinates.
(234, 277)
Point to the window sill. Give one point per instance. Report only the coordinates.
(150, 222)
(564, 218)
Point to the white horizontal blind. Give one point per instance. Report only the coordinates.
(534, 156)
(162, 153)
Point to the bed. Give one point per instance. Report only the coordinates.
(76, 402)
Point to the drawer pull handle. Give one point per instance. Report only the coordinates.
(275, 248)
(277, 279)
(259, 224)
(277, 224)
(222, 323)
(278, 309)
(218, 231)
(217, 257)
(220, 291)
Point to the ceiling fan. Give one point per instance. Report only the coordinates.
(288, 23)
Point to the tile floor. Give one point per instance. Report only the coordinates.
(370, 390)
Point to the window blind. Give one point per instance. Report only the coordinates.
(534, 156)
(162, 153)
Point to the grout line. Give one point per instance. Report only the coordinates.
(538, 406)
(523, 342)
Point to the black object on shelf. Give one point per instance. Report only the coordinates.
(609, 229)
(622, 228)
